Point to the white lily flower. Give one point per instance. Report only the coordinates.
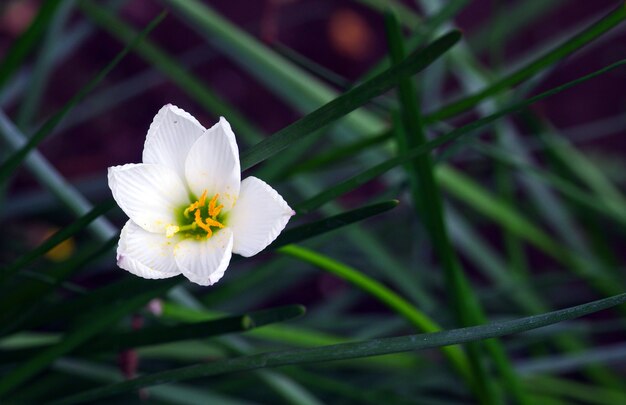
(188, 208)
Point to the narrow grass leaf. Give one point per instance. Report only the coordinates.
(16, 158)
(20, 49)
(336, 155)
(325, 225)
(171, 67)
(114, 342)
(97, 321)
(348, 101)
(344, 351)
(510, 20)
(543, 62)
(21, 304)
(369, 174)
(55, 239)
(428, 203)
(388, 297)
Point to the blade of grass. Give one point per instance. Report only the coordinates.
(170, 67)
(575, 391)
(465, 130)
(510, 20)
(98, 321)
(170, 394)
(115, 342)
(336, 155)
(421, 32)
(49, 177)
(16, 158)
(20, 49)
(336, 221)
(546, 60)
(351, 350)
(348, 101)
(20, 304)
(398, 304)
(283, 334)
(43, 67)
(428, 202)
(55, 239)
(287, 389)
(303, 90)
(572, 191)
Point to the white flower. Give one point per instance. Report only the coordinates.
(188, 208)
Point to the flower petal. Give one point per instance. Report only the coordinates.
(146, 254)
(258, 217)
(149, 194)
(213, 164)
(204, 261)
(170, 137)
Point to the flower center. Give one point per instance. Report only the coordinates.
(199, 217)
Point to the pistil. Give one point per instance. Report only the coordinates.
(205, 224)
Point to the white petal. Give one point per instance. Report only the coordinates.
(258, 217)
(213, 164)
(146, 254)
(149, 194)
(204, 261)
(170, 137)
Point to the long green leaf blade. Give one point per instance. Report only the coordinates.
(325, 225)
(549, 59)
(382, 168)
(344, 351)
(23, 45)
(114, 342)
(55, 239)
(348, 101)
(15, 159)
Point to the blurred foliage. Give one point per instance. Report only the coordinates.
(443, 216)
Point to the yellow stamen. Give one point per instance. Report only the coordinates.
(198, 220)
(213, 222)
(213, 210)
(203, 199)
(204, 224)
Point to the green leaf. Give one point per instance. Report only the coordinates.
(16, 158)
(114, 342)
(20, 304)
(43, 66)
(344, 351)
(335, 155)
(509, 20)
(325, 225)
(421, 31)
(348, 101)
(369, 174)
(20, 49)
(388, 297)
(55, 239)
(543, 62)
(97, 321)
(428, 202)
(172, 68)
(300, 89)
